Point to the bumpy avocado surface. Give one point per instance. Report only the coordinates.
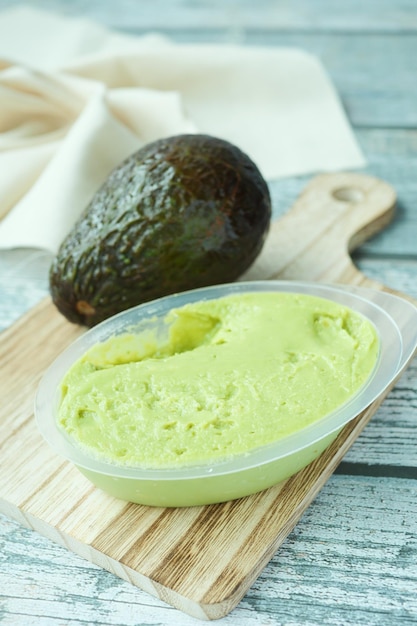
(183, 212)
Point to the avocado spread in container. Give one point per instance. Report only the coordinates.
(220, 392)
(236, 373)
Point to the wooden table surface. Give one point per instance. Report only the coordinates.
(352, 559)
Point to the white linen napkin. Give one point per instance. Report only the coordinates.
(76, 99)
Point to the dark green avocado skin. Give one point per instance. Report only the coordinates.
(183, 212)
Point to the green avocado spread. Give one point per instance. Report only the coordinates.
(236, 373)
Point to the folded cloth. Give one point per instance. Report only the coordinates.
(76, 99)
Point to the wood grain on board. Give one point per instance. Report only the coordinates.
(201, 560)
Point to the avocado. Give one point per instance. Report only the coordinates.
(182, 212)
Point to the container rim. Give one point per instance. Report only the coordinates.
(394, 318)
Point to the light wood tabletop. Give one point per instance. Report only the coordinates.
(352, 557)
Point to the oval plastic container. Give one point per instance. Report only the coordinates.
(394, 318)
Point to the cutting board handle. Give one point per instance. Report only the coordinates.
(333, 215)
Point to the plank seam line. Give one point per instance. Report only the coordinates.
(272, 30)
(347, 468)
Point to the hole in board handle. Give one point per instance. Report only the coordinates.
(348, 194)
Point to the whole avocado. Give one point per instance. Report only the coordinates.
(182, 212)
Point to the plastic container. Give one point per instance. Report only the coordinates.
(395, 320)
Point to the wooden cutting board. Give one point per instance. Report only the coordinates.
(201, 560)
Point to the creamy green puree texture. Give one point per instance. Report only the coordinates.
(237, 373)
